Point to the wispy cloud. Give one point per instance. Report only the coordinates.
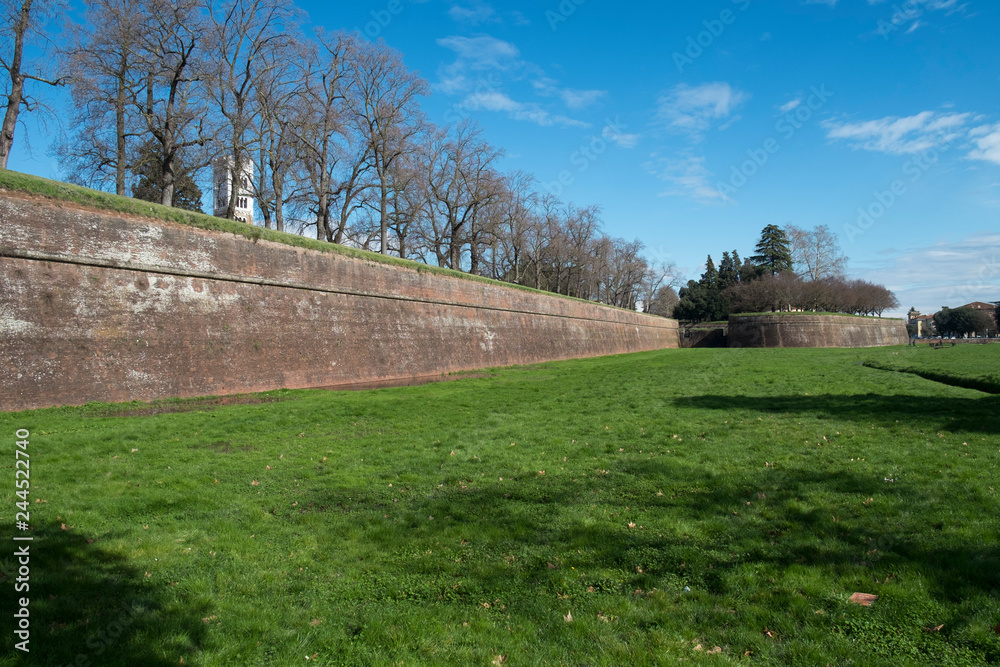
(789, 106)
(987, 142)
(473, 12)
(693, 110)
(574, 99)
(686, 177)
(481, 66)
(533, 113)
(902, 136)
(474, 56)
(948, 273)
(620, 139)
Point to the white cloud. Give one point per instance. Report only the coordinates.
(901, 136)
(479, 70)
(789, 106)
(482, 52)
(693, 110)
(572, 98)
(948, 273)
(620, 139)
(686, 177)
(474, 56)
(533, 113)
(473, 12)
(987, 141)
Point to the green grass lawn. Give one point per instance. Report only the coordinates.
(703, 506)
(962, 365)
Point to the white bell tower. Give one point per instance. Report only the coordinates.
(222, 186)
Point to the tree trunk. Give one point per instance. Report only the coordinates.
(16, 95)
(120, 129)
(384, 224)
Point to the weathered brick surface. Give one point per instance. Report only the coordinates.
(97, 307)
(802, 330)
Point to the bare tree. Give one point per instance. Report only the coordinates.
(516, 218)
(321, 130)
(277, 95)
(245, 41)
(170, 100)
(383, 104)
(101, 62)
(20, 24)
(462, 181)
(815, 253)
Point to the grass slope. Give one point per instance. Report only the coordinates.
(959, 366)
(33, 185)
(670, 502)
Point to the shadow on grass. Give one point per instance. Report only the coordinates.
(794, 517)
(519, 548)
(88, 606)
(975, 415)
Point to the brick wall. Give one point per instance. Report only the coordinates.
(98, 307)
(804, 330)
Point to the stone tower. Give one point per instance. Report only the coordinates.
(222, 187)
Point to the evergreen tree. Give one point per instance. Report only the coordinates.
(700, 303)
(773, 255)
(710, 278)
(737, 265)
(148, 187)
(749, 272)
(729, 274)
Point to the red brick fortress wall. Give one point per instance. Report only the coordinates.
(98, 307)
(806, 330)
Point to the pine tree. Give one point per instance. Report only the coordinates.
(729, 274)
(773, 255)
(710, 278)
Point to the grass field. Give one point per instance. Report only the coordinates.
(702, 506)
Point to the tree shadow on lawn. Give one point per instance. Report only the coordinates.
(795, 517)
(973, 415)
(89, 606)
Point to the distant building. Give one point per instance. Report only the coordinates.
(979, 305)
(222, 186)
(924, 324)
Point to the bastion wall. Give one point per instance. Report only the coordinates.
(807, 330)
(96, 306)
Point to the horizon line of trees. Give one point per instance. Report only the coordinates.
(793, 269)
(963, 321)
(332, 126)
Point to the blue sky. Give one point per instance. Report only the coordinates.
(694, 125)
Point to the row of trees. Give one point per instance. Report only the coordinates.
(966, 321)
(792, 269)
(332, 125)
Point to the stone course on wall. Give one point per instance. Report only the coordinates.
(807, 330)
(99, 307)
